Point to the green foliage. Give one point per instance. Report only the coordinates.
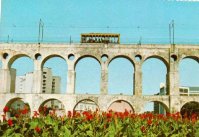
(96, 124)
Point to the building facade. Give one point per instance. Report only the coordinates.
(183, 91)
(24, 83)
(47, 81)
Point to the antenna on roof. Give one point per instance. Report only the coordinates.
(41, 31)
(172, 33)
(70, 39)
(8, 39)
(108, 29)
(140, 40)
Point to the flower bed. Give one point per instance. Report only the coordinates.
(101, 124)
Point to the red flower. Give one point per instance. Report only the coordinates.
(69, 114)
(109, 115)
(149, 121)
(10, 122)
(37, 129)
(126, 113)
(17, 115)
(45, 108)
(160, 116)
(194, 118)
(5, 109)
(88, 115)
(24, 111)
(36, 114)
(143, 129)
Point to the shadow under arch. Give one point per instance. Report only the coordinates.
(166, 63)
(122, 56)
(189, 108)
(85, 56)
(158, 108)
(121, 106)
(18, 106)
(52, 104)
(51, 56)
(15, 57)
(86, 105)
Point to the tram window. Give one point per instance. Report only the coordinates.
(100, 38)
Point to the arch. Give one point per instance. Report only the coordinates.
(88, 70)
(54, 68)
(85, 56)
(17, 106)
(52, 104)
(189, 108)
(49, 57)
(120, 76)
(166, 63)
(21, 78)
(158, 108)
(120, 105)
(190, 57)
(189, 72)
(15, 57)
(85, 105)
(122, 56)
(156, 69)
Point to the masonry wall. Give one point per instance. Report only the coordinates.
(169, 54)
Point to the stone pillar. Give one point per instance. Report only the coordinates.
(173, 80)
(174, 104)
(5, 80)
(104, 78)
(37, 77)
(138, 80)
(71, 79)
(37, 81)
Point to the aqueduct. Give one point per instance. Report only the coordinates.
(169, 54)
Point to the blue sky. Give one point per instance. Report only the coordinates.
(133, 19)
(130, 18)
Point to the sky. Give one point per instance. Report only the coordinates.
(147, 20)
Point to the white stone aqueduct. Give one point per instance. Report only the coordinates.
(169, 54)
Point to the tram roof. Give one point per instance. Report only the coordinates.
(101, 34)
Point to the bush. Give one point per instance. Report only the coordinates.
(98, 124)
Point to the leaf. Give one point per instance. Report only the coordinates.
(33, 124)
(8, 132)
(89, 133)
(17, 135)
